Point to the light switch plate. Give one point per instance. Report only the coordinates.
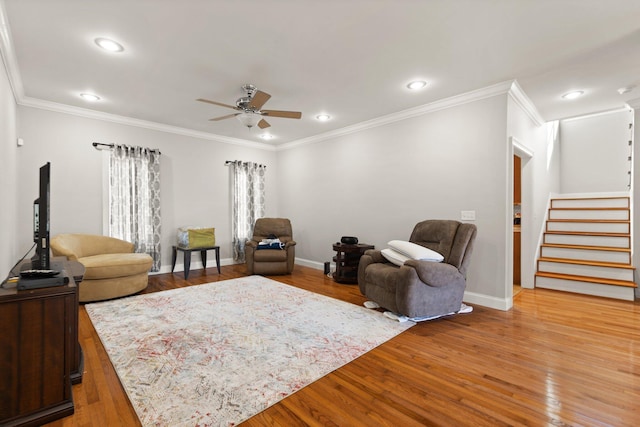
(468, 215)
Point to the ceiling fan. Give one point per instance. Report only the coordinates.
(250, 106)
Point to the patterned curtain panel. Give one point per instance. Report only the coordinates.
(248, 203)
(134, 198)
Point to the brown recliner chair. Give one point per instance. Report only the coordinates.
(270, 261)
(422, 288)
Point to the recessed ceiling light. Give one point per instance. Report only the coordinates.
(418, 84)
(323, 117)
(89, 97)
(626, 89)
(573, 95)
(109, 45)
(266, 136)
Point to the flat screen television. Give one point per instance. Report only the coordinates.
(41, 210)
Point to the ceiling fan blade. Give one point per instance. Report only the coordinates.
(217, 103)
(262, 124)
(285, 114)
(258, 100)
(228, 116)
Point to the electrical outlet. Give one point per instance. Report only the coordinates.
(468, 215)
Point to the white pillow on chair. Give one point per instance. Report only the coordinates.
(394, 257)
(414, 251)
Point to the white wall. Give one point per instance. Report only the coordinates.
(540, 177)
(594, 153)
(194, 179)
(8, 190)
(378, 183)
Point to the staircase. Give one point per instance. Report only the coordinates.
(587, 248)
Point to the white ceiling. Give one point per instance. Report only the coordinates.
(348, 58)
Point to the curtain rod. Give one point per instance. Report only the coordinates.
(96, 144)
(100, 144)
(228, 162)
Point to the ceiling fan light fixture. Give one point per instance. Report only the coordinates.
(573, 94)
(109, 45)
(249, 119)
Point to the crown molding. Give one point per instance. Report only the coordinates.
(11, 65)
(517, 94)
(114, 118)
(596, 114)
(8, 55)
(13, 72)
(634, 103)
(456, 100)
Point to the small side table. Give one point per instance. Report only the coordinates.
(347, 260)
(187, 257)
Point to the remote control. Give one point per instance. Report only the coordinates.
(38, 273)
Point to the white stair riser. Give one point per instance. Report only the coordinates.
(601, 290)
(586, 254)
(570, 239)
(622, 202)
(586, 270)
(588, 214)
(589, 227)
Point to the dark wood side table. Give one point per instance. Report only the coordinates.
(40, 356)
(187, 257)
(347, 259)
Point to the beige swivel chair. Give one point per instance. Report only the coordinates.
(271, 261)
(112, 269)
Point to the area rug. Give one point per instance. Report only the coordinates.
(219, 353)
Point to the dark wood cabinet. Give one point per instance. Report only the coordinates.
(39, 353)
(347, 260)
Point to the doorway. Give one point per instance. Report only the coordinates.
(517, 219)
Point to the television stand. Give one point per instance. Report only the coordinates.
(42, 356)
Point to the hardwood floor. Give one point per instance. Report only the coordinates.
(555, 359)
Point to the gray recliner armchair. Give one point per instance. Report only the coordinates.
(271, 261)
(422, 288)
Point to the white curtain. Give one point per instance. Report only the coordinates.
(247, 188)
(134, 198)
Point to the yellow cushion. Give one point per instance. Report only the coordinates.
(193, 238)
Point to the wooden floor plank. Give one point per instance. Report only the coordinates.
(554, 359)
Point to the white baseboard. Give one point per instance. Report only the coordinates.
(195, 265)
(504, 304)
(312, 264)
